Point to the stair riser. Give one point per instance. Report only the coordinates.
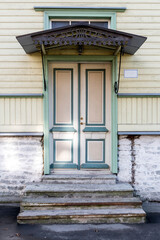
(81, 194)
(83, 181)
(78, 207)
(81, 220)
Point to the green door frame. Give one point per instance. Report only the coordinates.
(80, 13)
(81, 59)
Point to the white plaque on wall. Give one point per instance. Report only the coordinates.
(130, 73)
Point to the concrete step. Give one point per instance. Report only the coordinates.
(117, 215)
(80, 178)
(46, 203)
(79, 190)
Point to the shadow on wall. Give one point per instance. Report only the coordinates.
(139, 158)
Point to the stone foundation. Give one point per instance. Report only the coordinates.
(139, 164)
(21, 162)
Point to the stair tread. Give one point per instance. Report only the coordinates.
(81, 212)
(44, 187)
(54, 201)
(78, 176)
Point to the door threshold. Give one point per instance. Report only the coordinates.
(84, 171)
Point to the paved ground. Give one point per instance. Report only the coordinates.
(10, 230)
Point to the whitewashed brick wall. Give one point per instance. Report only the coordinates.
(21, 162)
(139, 163)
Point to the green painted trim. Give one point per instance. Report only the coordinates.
(59, 165)
(21, 95)
(79, 58)
(139, 133)
(79, 115)
(86, 153)
(54, 150)
(63, 129)
(46, 121)
(79, 13)
(107, 9)
(84, 59)
(138, 95)
(95, 166)
(54, 96)
(95, 129)
(114, 119)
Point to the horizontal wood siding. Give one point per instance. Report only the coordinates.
(22, 73)
(21, 115)
(137, 114)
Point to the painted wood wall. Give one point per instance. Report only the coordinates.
(21, 73)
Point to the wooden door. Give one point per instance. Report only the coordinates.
(80, 103)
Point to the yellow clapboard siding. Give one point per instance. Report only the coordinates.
(21, 112)
(136, 58)
(139, 90)
(21, 73)
(148, 52)
(21, 78)
(144, 77)
(139, 13)
(21, 90)
(20, 84)
(20, 65)
(21, 19)
(26, 58)
(139, 65)
(138, 113)
(140, 84)
(21, 128)
(141, 19)
(150, 45)
(20, 25)
(28, 13)
(147, 26)
(138, 128)
(29, 5)
(86, 1)
(16, 32)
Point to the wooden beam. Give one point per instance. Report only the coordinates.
(117, 50)
(43, 49)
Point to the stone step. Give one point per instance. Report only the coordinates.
(79, 190)
(117, 215)
(80, 178)
(45, 203)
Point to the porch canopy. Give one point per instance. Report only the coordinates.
(81, 35)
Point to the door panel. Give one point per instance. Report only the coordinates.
(64, 120)
(95, 112)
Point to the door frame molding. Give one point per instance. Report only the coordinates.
(81, 59)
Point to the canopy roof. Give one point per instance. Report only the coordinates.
(80, 34)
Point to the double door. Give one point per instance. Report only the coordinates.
(80, 115)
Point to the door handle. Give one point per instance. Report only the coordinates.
(81, 123)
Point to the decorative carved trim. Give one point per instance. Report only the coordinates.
(80, 35)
